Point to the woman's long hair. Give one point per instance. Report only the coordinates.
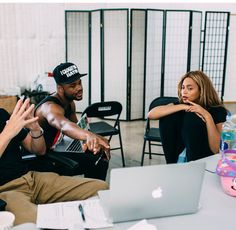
(208, 96)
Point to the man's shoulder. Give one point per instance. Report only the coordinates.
(49, 100)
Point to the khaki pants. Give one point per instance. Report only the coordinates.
(23, 194)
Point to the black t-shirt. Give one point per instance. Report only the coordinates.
(11, 165)
(195, 135)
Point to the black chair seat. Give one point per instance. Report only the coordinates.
(102, 128)
(153, 134)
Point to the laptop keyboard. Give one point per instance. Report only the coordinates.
(75, 146)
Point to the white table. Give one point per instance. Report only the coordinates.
(217, 212)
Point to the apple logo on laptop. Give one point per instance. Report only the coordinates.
(157, 193)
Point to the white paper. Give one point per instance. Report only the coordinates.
(142, 225)
(66, 215)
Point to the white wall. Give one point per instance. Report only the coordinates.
(31, 41)
(32, 38)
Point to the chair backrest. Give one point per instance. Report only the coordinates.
(103, 109)
(157, 102)
(162, 101)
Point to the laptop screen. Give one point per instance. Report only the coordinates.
(83, 122)
(154, 191)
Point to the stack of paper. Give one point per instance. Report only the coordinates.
(66, 215)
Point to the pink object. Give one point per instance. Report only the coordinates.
(229, 185)
(226, 169)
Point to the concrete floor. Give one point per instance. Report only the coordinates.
(132, 137)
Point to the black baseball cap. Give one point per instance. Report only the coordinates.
(66, 73)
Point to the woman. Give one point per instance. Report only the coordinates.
(195, 123)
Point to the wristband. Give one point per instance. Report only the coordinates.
(40, 135)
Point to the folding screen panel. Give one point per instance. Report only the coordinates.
(96, 56)
(176, 49)
(115, 45)
(153, 73)
(77, 49)
(215, 48)
(182, 47)
(195, 42)
(137, 55)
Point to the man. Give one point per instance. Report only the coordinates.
(21, 189)
(57, 116)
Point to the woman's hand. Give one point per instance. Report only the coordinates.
(199, 110)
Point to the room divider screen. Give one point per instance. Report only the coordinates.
(115, 57)
(96, 60)
(154, 56)
(137, 60)
(91, 43)
(77, 48)
(215, 48)
(173, 48)
(133, 56)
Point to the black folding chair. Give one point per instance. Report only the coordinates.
(152, 134)
(103, 110)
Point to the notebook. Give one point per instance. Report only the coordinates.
(153, 191)
(68, 144)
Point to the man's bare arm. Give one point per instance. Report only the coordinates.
(55, 117)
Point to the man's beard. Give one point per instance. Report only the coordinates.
(72, 98)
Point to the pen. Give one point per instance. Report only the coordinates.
(82, 212)
(99, 158)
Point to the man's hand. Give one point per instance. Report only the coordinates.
(96, 143)
(106, 150)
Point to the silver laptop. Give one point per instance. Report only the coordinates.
(68, 144)
(153, 191)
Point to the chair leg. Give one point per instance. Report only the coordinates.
(121, 149)
(150, 150)
(144, 145)
(109, 139)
